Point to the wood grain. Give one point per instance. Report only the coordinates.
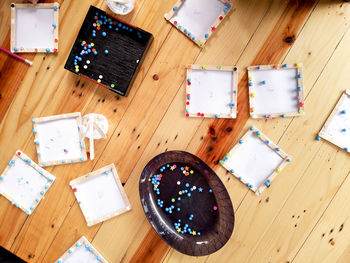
(151, 120)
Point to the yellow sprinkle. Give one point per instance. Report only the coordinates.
(99, 81)
(194, 233)
(228, 155)
(92, 44)
(250, 78)
(76, 70)
(84, 42)
(300, 111)
(180, 193)
(155, 186)
(253, 95)
(178, 230)
(297, 64)
(201, 43)
(259, 136)
(204, 67)
(278, 170)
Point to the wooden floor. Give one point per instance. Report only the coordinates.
(303, 217)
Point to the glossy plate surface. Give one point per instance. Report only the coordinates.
(196, 197)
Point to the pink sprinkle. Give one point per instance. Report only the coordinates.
(95, 17)
(159, 179)
(83, 51)
(174, 165)
(299, 97)
(270, 117)
(215, 208)
(94, 24)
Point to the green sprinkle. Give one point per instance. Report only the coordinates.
(112, 85)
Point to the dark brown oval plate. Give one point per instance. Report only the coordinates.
(186, 203)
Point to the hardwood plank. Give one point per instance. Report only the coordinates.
(330, 238)
(256, 219)
(114, 107)
(171, 127)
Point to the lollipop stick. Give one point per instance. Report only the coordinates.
(91, 134)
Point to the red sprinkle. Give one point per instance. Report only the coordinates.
(189, 83)
(55, 50)
(301, 104)
(74, 189)
(213, 28)
(199, 114)
(19, 153)
(220, 17)
(202, 114)
(187, 114)
(175, 22)
(187, 103)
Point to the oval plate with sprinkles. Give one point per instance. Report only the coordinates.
(186, 203)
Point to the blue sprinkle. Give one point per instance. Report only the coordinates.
(34, 130)
(95, 53)
(106, 51)
(228, 5)
(32, 208)
(277, 149)
(257, 133)
(263, 82)
(267, 142)
(77, 244)
(225, 10)
(63, 161)
(116, 29)
(42, 192)
(110, 27)
(206, 35)
(232, 171)
(266, 116)
(231, 104)
(98, 258)
(185, 30)
(193, 38)
(225, 158)
(37, 200)
(86, 246)
(33, 120)
(283, 115)
(299, 76)
(104, 34)
(217, 115)
(189, 34)
(344, 130)
(70, 251)
(250, 83)
(346, 149)
(267, 183)
(187, 184)
(46, 187)
(210, 191)
(15, 49)
(343, 112)
(240, 178)
(251, 128)
(90, 249)
(1, 177)
(189, 194)
(288, 160)
(285, 65)
(179, 27)
(59, 261)
(235, 91)
(259, 67)
(17, 205)
(318, 138)
(55, 8)
(175, 8)
(240, 141)
(299, 88)
(38, 153)
(54, 25)
(47, 50)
